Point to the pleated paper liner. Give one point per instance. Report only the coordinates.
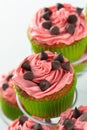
(80, 65)
(10, 110)
(72, 52)
(49, 108)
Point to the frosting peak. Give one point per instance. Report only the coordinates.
(28, 125)
(58, 18)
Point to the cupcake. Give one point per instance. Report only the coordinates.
(73, 119)
(45, 83)
(59, 28)
(24, 123)
(8, 96)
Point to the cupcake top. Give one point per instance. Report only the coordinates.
(73, 119)
(58, 24)
(43, 74)
(6, 87)
(23, 123)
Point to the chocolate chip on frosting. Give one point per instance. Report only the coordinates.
(26, 65)
(47, 9)
(22, 119)
(54, 30)
(46, 15)
(28, 75)
(77, 113)
(79, 10)
(55, 65)
(68, 124)
(43, 56)
(5, 86)
(59, 6)
(72, 19)
(70, 29)
(44, 85)
(47, 24)
(9, 77)
(59, 57)
(37, 126)
(84, 117)
(66, 66)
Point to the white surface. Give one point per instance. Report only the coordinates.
(14, 45)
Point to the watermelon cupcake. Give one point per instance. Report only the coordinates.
(45, 83)
(24, 123)
(73, 119)
(8, 96)
(59, 28)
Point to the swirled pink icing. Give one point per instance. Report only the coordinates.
(26, 126)
(58, 18)
(79, 125)
(8, 94)
(42, 69)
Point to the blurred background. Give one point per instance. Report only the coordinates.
(14, 21)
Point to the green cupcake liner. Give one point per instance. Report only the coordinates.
(72, 52)
(80, 67)
(11, 111)
(50, 108)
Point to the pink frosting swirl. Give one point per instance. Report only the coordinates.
(42, 69)
(8, 94)
(79, 125)
(58, 18)
(26, 126)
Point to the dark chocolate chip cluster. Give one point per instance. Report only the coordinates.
(54, 30)
(57, 62)
(69, 124)
(5, 85)
(23, 119)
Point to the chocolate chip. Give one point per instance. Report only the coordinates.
(79, 10)
(59, 57)
(72, 19)
(55, 65)
(9, 77)
(70, 28)
(26, 65)
(43, 56)
(44, 85)
(66, 66)
(59, 6)
(48, 120)
(5, 86)
(68, 124)
(28, 75)
(46, 15)
(47, 9)
(37, 126)
(77, 113)
(54, 30)
(47, 24)
(22, 119)
(84, 117)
